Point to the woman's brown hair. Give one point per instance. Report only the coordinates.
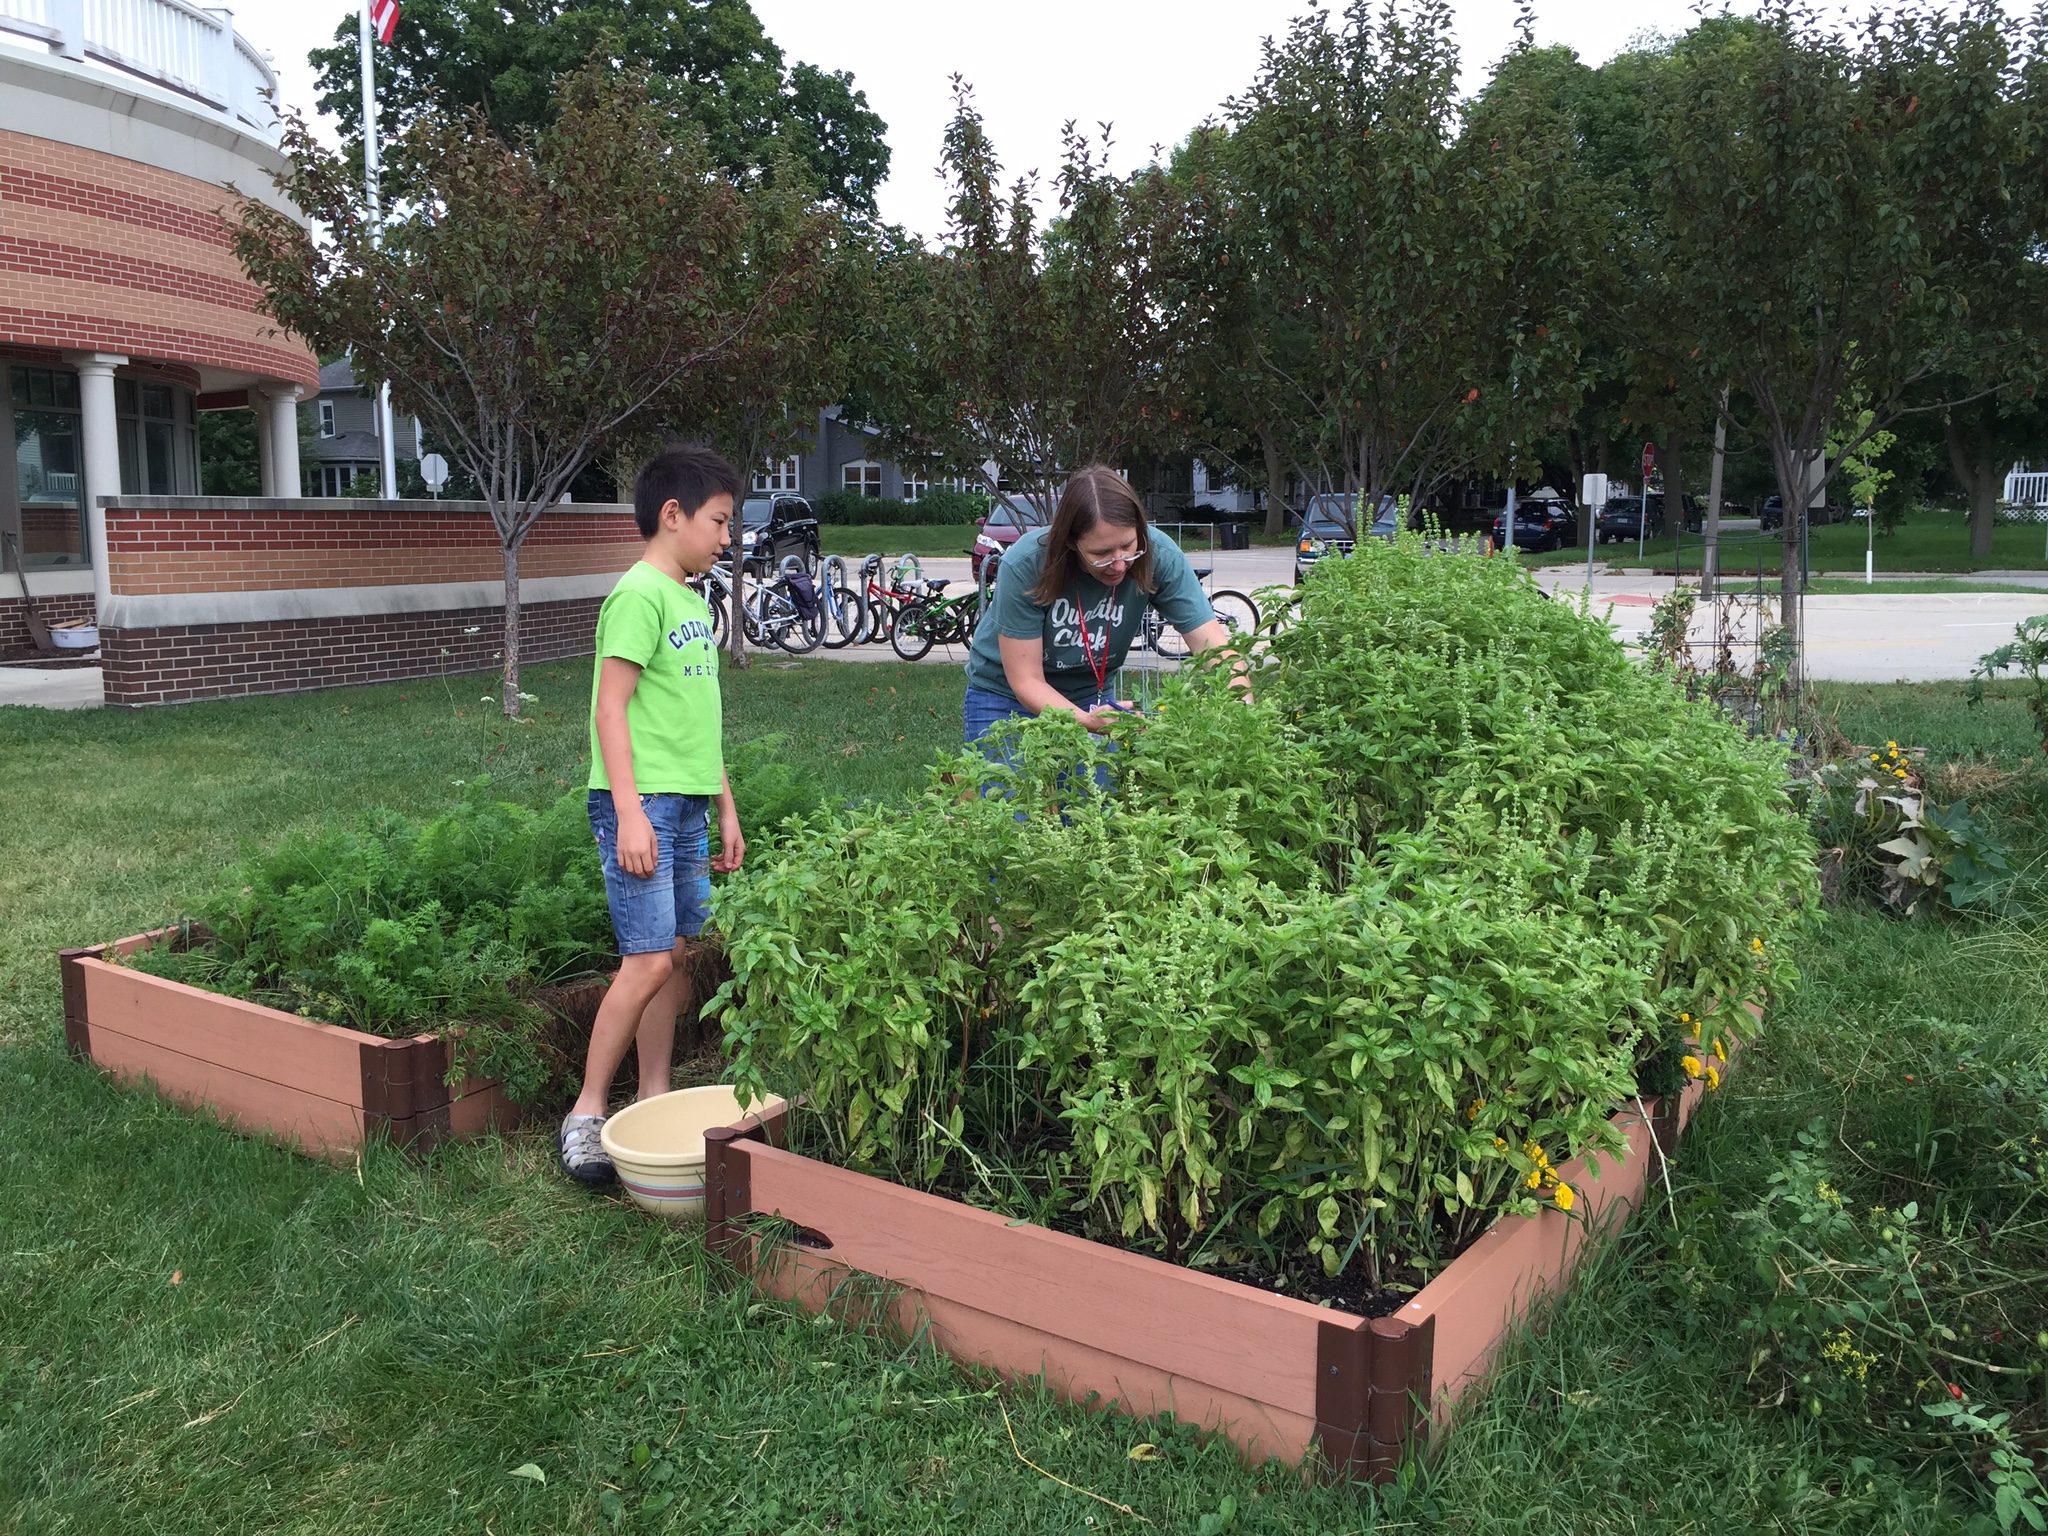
(1095, 494)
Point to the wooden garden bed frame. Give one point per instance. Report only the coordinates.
(1280, 1377)
(319, 1087)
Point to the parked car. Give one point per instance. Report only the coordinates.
(1009, 518)
(1539, 525)
(1622, 519)
(1772, 517)
(772, 528)
(1326, 528)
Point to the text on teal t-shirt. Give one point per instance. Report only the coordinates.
(675, 717)
(1118, 615)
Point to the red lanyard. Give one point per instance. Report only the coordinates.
(1099, 668)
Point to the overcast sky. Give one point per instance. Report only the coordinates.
(1153, 69)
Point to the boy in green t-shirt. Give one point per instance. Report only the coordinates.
(656, 768)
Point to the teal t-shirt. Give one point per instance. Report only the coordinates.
(1118, 615)
(675, 716)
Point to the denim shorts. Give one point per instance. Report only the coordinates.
(649, 915)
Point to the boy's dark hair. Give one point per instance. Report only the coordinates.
(687, 474)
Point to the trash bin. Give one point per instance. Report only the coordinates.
(1233, 536)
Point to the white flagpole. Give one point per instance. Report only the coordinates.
(368, 38)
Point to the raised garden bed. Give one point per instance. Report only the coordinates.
(1279, 1377)
(320, 1087)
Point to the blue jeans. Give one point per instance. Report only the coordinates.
(649, 914)
(984, 708)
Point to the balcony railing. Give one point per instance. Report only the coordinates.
(181, 47)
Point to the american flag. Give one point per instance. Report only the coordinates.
(384, 18)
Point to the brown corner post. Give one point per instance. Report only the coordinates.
(1664, 1121)
(1398, 1394)
(377, 1118)
(721, 1231)
(1343, 1366)
(77, 1032)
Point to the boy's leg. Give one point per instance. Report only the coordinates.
(628, 1003)
(656, 1040)
(644, 921)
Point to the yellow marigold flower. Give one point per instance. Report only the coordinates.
(1891, 746)
(1713, 1077)
(1691, 1065)
(1473, 1112)
(1685, 1018)
(1564, 1197)
(1873, 757)
(1534, 1181)
(1756, 943)
(1719, 1052)
(1499, 1145)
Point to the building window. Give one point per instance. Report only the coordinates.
(915, 484)
(48, 467)
(862, 478)
(327, 418)
(343, 479)
(782, 475)
(159, 437)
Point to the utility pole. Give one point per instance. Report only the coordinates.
(367, 33)
(1710, 554)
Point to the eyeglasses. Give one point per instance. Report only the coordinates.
(1103, 565)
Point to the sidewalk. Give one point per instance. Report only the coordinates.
(51, 687)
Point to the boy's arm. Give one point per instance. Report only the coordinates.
(731, 846)
(638, 851)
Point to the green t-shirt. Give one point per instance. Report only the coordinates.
(674, 717)
(1177, 594)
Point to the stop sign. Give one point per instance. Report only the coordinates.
(1649, 460)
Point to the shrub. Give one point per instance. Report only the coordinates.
(939, 506)
(1337, 973)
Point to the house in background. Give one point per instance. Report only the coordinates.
(340, 430)
(842, 457)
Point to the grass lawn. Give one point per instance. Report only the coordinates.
(208, 1334)
(1855, 586)
(853, 539)
(1934, 541)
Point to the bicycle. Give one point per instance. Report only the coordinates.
(844, 611)
(1238, 613)
(934, 619)
(771, 616)
(882, 603)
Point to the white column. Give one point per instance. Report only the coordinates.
(102, 456)
(266, 472)
(284, 441)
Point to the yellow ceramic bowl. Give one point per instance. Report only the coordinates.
(657, 1145)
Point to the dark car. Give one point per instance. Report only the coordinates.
(772, 528)
(1622, 519)
(1539, 526)
(1772, 516)
(1009, 519)
(1329, 527)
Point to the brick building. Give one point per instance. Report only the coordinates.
(127, 128)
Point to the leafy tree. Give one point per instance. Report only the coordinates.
(1822, 203)
(709, 61)
(1431, 263)
(535, 299)
(1030, 350)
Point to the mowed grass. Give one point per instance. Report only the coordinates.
(1926, 541)
(852, 539)
(204, 1333)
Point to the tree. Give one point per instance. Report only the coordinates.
(1030, 351)
(709, 61)
(1823, 202)
(536, 298)
(1431, 263)
(802, 270)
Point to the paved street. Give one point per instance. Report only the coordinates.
(1880, 638)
